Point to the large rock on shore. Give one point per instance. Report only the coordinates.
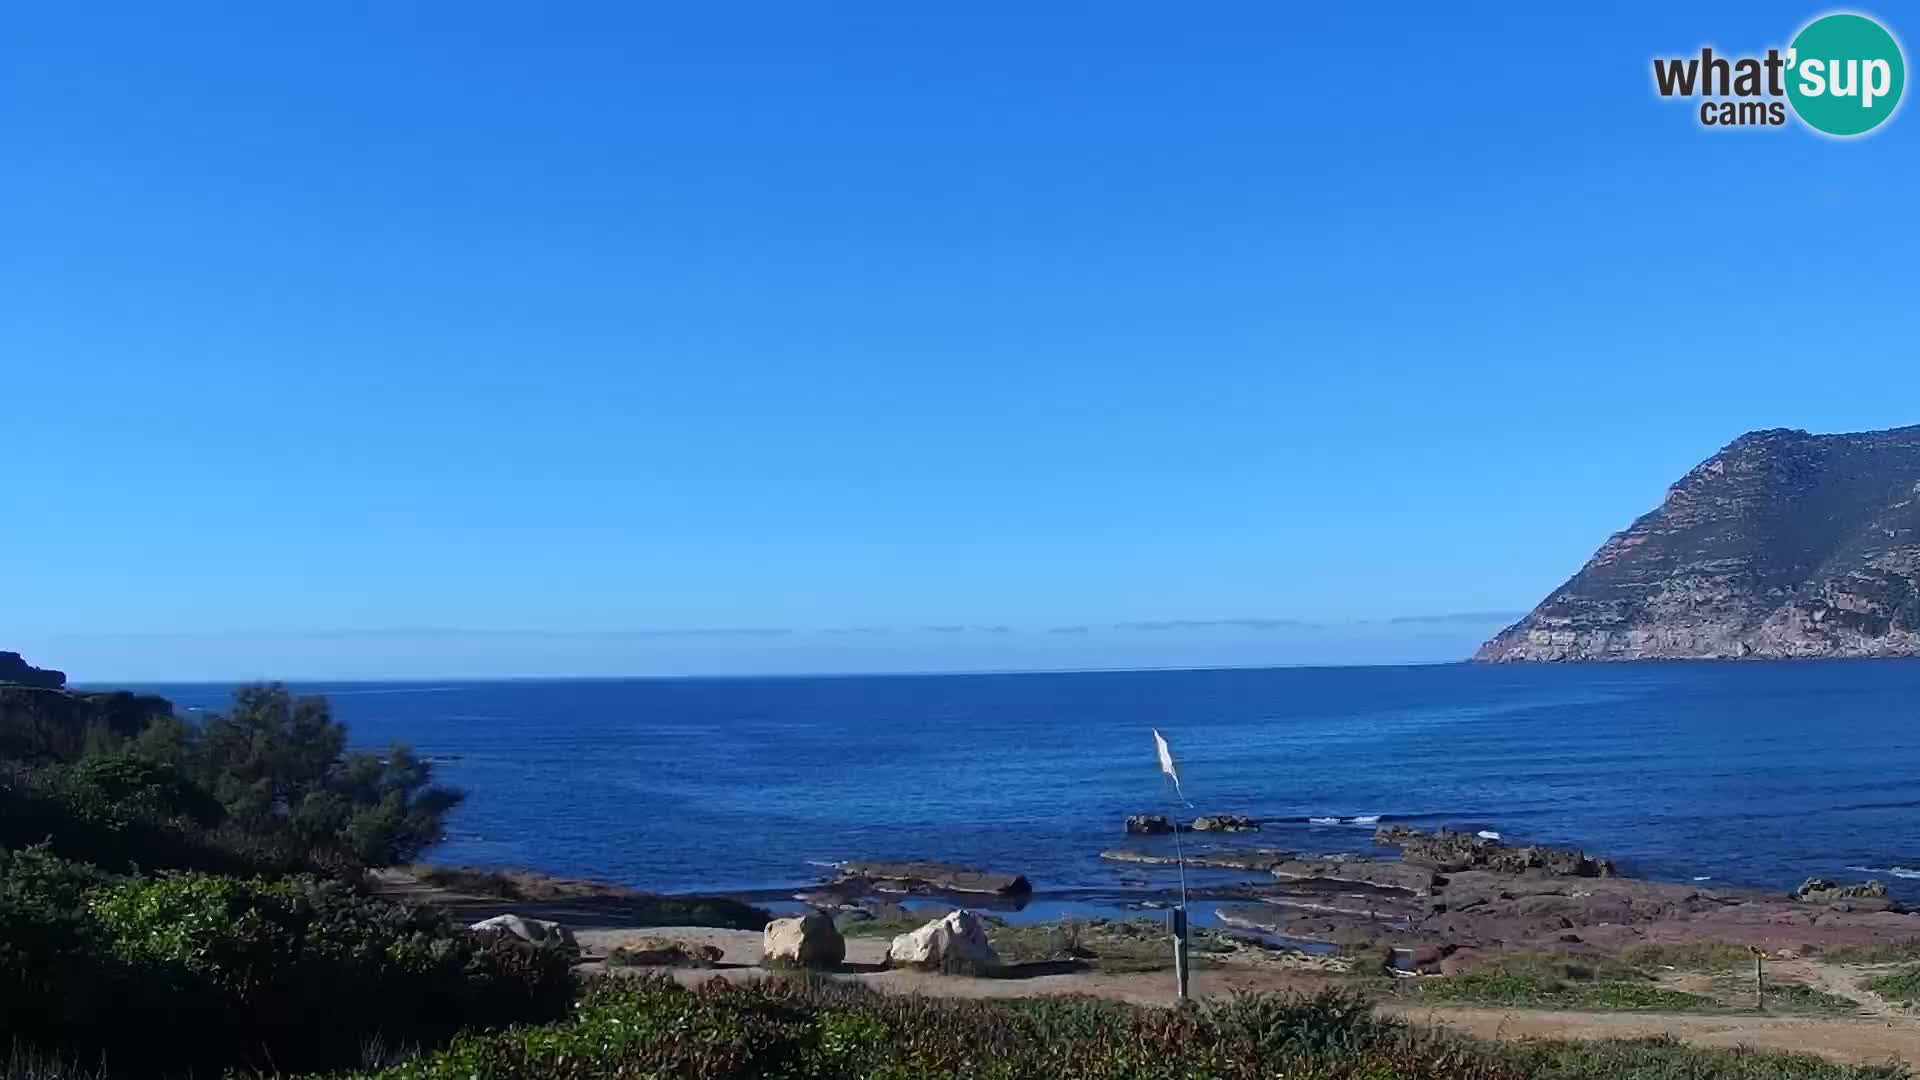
(1448, 851)
(955, 943)
(810, 941)
(927, 877)
(665, 952)
(541, 932)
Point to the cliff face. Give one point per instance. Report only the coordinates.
(17, 671)
(1783, 544)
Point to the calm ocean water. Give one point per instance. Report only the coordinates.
(1750, 774)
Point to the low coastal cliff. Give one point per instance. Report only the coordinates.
(41, 720)
(1782, 545)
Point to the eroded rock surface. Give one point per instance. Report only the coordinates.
(1258, 859)
(927, 877)
(810, 941)
(1447, 850)
(955, 943)
(1783, 544)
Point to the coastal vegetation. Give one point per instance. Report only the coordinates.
(192, 896)
(182, 896)
(1898, 952)
(1544, 983)
(1901, 986)
(829, 1029)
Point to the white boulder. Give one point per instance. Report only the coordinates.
(809, 941)
(535, 931)
(955, 943)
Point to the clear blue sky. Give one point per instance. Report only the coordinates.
(373, 339)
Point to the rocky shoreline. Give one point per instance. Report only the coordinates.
(1449, 899)
(1452, 897)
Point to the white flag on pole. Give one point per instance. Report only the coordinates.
(1166, 763)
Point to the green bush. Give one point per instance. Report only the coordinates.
(1556, 981)
(93, 812)
(293, 973)
(278, 766)
(54, 962)
(1665, 1058)
(1329, 1022)
(1902, 986)
(826, 1029)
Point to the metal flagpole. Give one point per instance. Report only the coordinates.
(1180, 858)
(1180, 919)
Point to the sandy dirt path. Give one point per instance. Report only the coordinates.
(1881, 1033)
(1856, 1041)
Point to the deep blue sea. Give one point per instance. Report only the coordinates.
(1746, 773)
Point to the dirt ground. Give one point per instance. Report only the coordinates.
(1879, 1032)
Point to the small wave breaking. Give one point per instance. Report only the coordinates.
(1909, 873)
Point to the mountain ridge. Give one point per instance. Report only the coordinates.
(1784, 544)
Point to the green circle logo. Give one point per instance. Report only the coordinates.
(1845, 74)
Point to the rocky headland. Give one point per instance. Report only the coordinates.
(1782, 545)
(41, 720)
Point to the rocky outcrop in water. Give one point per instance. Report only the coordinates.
(1148, 824)
(1822, 891)
(1782, 545)
(1261, 859)
(926, 877)
(1446, 850)
(1225, 823)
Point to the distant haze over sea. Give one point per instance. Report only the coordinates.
(925, 646)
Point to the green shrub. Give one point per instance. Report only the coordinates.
(154, 788)
(1332, 1021)
(830, 1030)
(1692, 956)
(54, 962)
(1556, 981)
(279, 765)
(90, 814)
(294, 973)
(1665, 1058)
(1897, 952)
(1903, 986)
(826, 1029)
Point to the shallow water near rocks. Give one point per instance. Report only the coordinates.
(1753, 774)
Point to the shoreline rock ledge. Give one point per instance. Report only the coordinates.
(929, 877)
(1448, 851)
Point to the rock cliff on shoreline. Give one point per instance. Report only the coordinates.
(15, 671)
(1784, 544)
(40, 720)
